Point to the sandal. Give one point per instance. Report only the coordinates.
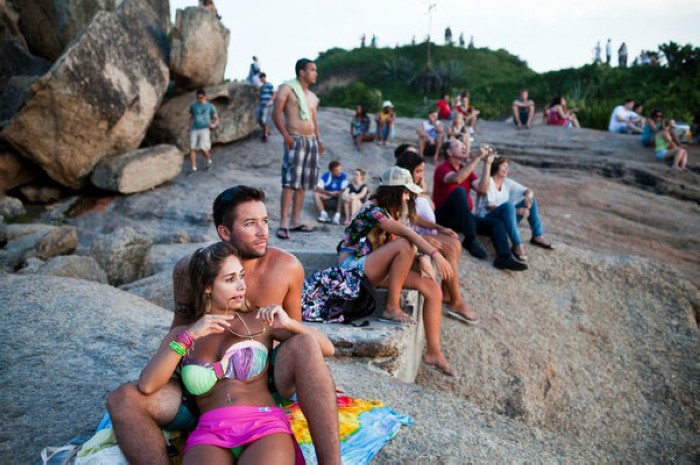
(397, 317)
(443, 370)
(302, 228)
(544, 245)
(521, 257)
(282, 233)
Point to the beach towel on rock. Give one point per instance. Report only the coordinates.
(295, 85)
(335, 295)
(365, 427)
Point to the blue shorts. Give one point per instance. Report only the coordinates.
(661, 154)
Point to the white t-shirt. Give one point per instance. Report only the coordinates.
(511, 191)
(424, 210)
(620, 112)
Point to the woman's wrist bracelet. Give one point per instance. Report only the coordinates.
(434, 251)
(177, 347)
(185, 339)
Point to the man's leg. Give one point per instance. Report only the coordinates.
(136, 419)
(438, 145)
(300, 368)
(421, 145)
(454, 213)
(193, 160)
(506, 214)
(297, 205)
(285, 201)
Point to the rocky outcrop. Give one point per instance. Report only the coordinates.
(40, 194)
(15, 171)
(51, 25)
(199, 48)
(235, 103)
(97, 100)
(84, 339)
(139, 170)
(73, 266)
(40, 241)
(11, 207)
(124, 255)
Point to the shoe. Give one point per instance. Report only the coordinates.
(462, 318)
(323, 217)
(544, 245)
(192, 171)
(208, 167)
(336, 218)
(507, 262)
(475, 249)
(521, 257)
(264, 137)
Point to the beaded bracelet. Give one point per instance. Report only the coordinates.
(185, 339)
(177, 347)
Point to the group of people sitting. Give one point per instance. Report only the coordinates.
(337, 194)
(655, 131)
(360, 126)
(554, 114)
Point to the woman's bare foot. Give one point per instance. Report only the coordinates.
(439, 364)
(396, 315)
(462, 309)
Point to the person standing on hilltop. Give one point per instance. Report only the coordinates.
(523, 111)
(596, 53)
(622, 55)
(254, 73)
(302, 144)
(203, 118)
(608, 52)
(443, 107)
(267, 98)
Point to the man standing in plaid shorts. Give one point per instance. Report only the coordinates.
(302, 144)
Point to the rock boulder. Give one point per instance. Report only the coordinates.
(199, 48)
(41, 242)
(235, 103)
(11, 207)
(97, 100)
(73, 266)
(124, 255)
(15, 171)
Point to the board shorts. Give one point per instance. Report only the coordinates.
(200, 139)
(263, 114)
(300, 164)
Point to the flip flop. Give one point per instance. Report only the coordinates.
(462, 318)
(302, 228)
(449, 372)
(283, 233)
(400, 319)
(548, 246)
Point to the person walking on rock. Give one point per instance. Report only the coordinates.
(267, 99)
(608, 52)
(203, 118)
(302, 144)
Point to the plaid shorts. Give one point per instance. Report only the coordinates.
(300, 168)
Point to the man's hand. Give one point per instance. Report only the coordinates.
(321, 147)
(289, 140)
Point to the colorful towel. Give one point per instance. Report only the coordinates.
(365, 427)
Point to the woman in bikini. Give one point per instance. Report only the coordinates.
(223, 358)
(368, 246)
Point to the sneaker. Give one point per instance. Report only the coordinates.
(507, 262)
(336, 218)
(323, 217)
(208, 167)
(192, 171)
(475, 249)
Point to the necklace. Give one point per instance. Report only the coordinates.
(247, 330)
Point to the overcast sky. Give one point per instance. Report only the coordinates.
(548, 34)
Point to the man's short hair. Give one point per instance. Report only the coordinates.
(430, 112)
(200, 91)
(628, 100)
(398, 151)
(225, 204)
(301, 65)
(262, 75)
(333, 165)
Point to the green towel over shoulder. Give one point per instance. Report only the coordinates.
(295, 85)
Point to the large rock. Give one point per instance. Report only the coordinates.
(97, 100)
(124, 255)
(9, 23)
(73, 266)
(73, 342)
(11, 207)
(139, 170)
(15, 171)
(199, 48)
(37, 193)
(235, 103)
(43, 242)
(50, 25)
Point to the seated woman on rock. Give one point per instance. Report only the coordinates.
(385, 122)
(668, 150)
(652, 126)
(224, 361)
(457, 129)
(359, 127)
(468, 112)
(445, 239)
(354, 195)
(510, 202)
(558, 115)
(377, 243)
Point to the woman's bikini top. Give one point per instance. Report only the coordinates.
(242, 361)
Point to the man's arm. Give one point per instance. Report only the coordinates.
(214, 118)
(280, 103)
(292, 300)
(272, 99)
(483, 186)
(457, 177)
(321, 145)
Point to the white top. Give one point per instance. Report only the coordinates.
(619, 113)
(510, 191)
(424, 210)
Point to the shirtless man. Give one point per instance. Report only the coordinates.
(273, 277)
(523, 111)
(302, 144)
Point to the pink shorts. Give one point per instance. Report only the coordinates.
(235, 426)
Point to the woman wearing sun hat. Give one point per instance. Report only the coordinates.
(385, 122)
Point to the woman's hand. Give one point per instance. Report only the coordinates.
(448, 232)
(443, 266)
(524, 212)
(426, 267)
(210, 324)
(275, 317)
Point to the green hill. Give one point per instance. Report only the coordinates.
(401, 74)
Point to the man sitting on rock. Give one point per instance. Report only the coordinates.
(203, 118)
(453, 204)
(430, 136)
(330, 186)
(620, 118)
(523, 111)
(273, 277)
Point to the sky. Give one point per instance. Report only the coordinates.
(547, 34)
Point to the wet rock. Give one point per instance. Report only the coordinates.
(97, 100)
(199, 48)
(139, 170)
(123, 254)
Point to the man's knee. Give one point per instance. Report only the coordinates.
(125, 399)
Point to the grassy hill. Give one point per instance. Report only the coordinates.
(401, 74)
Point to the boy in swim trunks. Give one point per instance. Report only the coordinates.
(302, 144)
